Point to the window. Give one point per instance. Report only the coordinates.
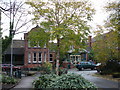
(75, 58)
(29, 44)
(29, 58)
(40, 58)
(38, 44)
(34, 58)
(51, 57)
(44, 56)
(45, 45)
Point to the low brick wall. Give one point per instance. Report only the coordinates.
(67, 65)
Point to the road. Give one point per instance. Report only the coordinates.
(99, 82)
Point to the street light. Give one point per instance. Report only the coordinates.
(11, 69)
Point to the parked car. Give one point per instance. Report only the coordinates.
(8, 66)
(85, 65)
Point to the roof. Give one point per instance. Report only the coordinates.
(34, 29)
(17, 51)
(18, 47)
(18, 43)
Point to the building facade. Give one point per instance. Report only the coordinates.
(26, 55)
(35, 56)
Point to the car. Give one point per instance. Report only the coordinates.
(8, 66)
(86, 65)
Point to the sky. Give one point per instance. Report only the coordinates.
(98, 19)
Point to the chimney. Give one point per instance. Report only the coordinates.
(90, 41)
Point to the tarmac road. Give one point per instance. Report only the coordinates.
(99, 82)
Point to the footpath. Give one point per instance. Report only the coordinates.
(26, 83)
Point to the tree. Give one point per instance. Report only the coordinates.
(106, 46)
(17, 15)
(113, 20)
(113, 23)
(66, 22)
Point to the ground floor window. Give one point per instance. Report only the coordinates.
(75, 58)
(39, 57)
(44, 56)
(34, 57)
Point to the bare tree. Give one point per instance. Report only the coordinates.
(17, 14)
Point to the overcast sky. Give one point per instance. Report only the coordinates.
(98, 18)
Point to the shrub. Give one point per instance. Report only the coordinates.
(110, 67)
(62, 71)
(8, 80)
(30, 73)
(116, 75)
(66, 81)
(45, 68)
(44, 81)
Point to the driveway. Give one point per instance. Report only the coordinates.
(99, 82)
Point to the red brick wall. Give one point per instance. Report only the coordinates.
(31, 50)
(65, 65)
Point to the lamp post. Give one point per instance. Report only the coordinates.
(11, 69)
(11, 36)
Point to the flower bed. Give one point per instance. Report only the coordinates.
(8, 82)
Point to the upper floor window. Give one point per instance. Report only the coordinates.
(51, 57)
(28, 43)
(33, 44)
(29, 57)
(45, 45)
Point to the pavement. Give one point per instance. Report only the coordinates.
(99, 82)
(26, 82)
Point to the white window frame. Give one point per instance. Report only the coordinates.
(34, 57)
(38, 44)
(45, 45)
(29, 44)
(39, 61)
(29, 57)
(44, 56)
(51, 57)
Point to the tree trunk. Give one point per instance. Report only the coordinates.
(58, 56)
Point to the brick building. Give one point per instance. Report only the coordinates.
(26, 55)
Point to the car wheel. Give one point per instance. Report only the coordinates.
(92, 68)
(95, 68)
(80, 69)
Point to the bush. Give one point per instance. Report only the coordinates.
(30, 73)
(116, 75)
(110, 67)
(8, 80)
(66, 81)
(62, 71)
(45, 68)
(44, 81)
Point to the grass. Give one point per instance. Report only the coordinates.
(108, 77)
